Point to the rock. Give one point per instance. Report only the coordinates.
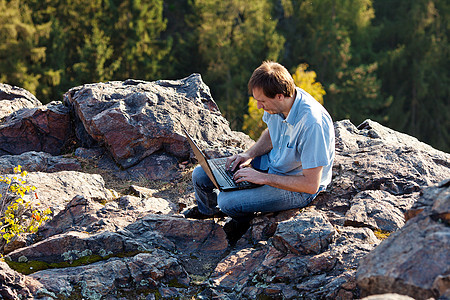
(80, 214)
(149, 205)
(258, 268)
(350, 245)
(42, 129)
(389, 296)
(38, 162)
(158, 166)
(140, 191)
(14, 285)
(132, 276)
(89, 153)
(13, 98)
(135, 245)
(414, 261)
(135, 119)
(86, 214)
(376, 158)
(309, 232)
(376, 210)
(55, 190)
(17, 242)
(199, 244)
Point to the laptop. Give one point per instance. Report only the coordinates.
(216, 171)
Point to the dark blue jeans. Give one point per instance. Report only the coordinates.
(240, 204)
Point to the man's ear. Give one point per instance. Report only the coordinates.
(279, 97)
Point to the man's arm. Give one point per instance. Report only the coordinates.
(262, 146)
(309, 182)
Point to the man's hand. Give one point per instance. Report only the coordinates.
(308, 182)
(262, 146)
(242, 160)
(249, 174)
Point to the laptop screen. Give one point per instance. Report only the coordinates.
(201, 159)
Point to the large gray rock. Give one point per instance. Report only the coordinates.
(56, 190)
(414, 261)
(376, 210)
(297, 260)
(13, 98)
(313, 253)
(43, 128)
(134, 277)
(134, 119)
(38, 162)
(376, 158)
(14, 285)
(148, 254)
(309, 232)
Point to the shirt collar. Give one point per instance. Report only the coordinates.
(292, 116)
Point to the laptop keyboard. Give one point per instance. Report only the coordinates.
(227, 174)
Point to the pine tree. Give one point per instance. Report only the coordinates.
(94, 56)
(414, 59)
(234, 37)
(334, 37)
(20, 55)
(92, 41)
(136, 35)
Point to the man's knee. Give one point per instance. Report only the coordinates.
(228, 204)
(199, 175)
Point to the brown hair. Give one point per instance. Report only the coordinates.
(273, 79)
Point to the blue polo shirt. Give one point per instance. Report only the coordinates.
(304, 140)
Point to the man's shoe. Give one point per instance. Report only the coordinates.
(235, 230)
(194, 213)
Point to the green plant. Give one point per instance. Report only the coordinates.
(381, 234)
(18, 210)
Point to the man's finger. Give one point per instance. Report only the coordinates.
(244, 164)
(230, 161)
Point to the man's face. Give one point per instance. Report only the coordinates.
(270, 105)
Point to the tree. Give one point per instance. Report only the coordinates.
(234, 37)
(20, 54)
(92, 41)
(136, 37)
(94, 56)
(414, 58)
(334, 37)
(307, 81)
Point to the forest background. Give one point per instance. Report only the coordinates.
(387, 60)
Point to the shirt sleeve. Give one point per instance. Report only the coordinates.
(314, 148)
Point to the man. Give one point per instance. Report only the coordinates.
(292, 160)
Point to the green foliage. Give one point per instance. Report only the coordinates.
(18, 215)
(414, 67)
(93, 41)
(334, 37)
(20, 54)
(381, 234)
(253, 123)
(234, 37)
(94, 56)
(136, 36)
(384, 60)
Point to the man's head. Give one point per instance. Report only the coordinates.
(273, 88)
(273, 79)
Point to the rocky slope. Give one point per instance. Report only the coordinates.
(133, 243)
